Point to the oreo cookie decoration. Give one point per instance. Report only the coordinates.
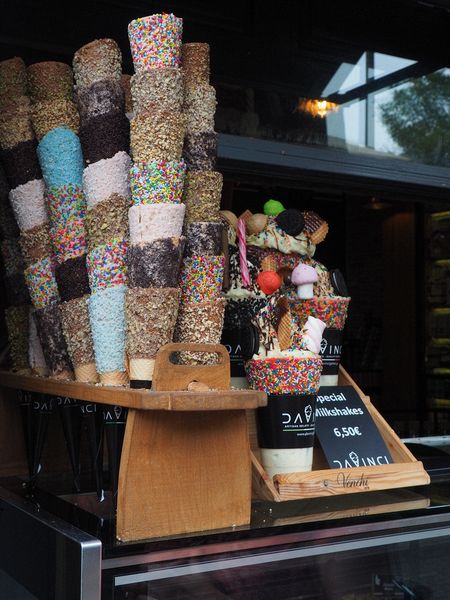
(291, 221)
(338, 283)
(249, 340)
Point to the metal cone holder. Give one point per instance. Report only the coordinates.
(115, 418)
(92, 425)
(71, 414)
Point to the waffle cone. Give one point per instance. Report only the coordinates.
(40, 371)
(320, 234)
(64, 375)
(86, 373)
(114, 378)
(142, 368)
(269, 263)
(284, 332)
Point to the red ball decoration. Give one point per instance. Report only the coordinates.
(269, 282)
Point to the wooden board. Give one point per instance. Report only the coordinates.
(228, 399)
(406, 471)
(183, 472)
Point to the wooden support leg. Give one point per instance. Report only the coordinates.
(182, 472)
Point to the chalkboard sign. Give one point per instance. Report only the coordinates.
(346, 431)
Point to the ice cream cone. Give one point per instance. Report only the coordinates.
(141, 369)
(114, 378)
(86, 373)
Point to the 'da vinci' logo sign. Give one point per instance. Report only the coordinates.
(359, 461)
(297, 419)
(328, 349)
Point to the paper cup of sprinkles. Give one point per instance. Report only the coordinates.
(35, 243)
(77, 333)
(28, 204)
(107, 265)
(291, 385)
(107, 317)
(16, 290)
(35, 354)
(14, 130)
(107, 220)
(201, 278)
(60, 157)
(202, 195)
(195, 63)
(157, 181)
(12, 256)
(50, 114)
(69, 241)
(151, 315)
(104, 136)
(49, 328)
(102, 97)
(155, 264)
(106, 177)
(72, 278)
(199, 323)
(157, 136)
(40, 278)
(125, 82)
(157, 89)
(13, 78)
(96, 61)
(50, 81)
(65, 203)
(332, 311)
(21, 163)
(293, 376)
(149, 222)
(199, 107)
(200, 151)
(155, 41)
(17, 325)
(203, 239)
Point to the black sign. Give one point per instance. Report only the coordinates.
(231, 339)
(286, 422)
(331, 350)
(346, 431)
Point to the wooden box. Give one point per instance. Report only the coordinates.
(406, 471)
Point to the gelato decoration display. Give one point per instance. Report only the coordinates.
(202, 305)
(157, 178)
(56, 124)
(104, 136)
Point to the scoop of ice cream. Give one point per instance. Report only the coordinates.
(269, 282)
(312, 334)
(273, 207)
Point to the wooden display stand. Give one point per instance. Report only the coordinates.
(185, 462)
(406, 471)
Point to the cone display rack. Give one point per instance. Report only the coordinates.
(185, 464)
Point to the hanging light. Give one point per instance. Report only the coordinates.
(316, 108)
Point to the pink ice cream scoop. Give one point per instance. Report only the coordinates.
(304, 276)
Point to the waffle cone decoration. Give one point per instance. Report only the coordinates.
(269, 263)
(315, 227)
(283, 323)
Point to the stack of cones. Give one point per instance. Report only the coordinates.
(200, 317)
(104, 134)
(56, 124)
(157, 177)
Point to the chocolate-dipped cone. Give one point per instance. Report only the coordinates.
(42, 410)
(26, 412)
(93, 426)
(70, 413)
(114, 419)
